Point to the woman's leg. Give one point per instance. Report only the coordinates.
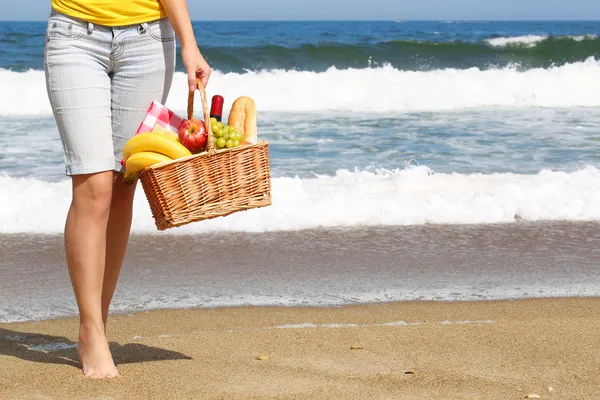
(117, 236)
(77, 59)
(142, 72)
(85, 245)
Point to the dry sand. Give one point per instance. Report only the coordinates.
(478, 350)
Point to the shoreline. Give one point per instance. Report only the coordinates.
(315, 308)
(496, 349)
(315, 268)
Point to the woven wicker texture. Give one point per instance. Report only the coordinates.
(211, 184)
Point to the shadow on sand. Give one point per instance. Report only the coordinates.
(42, 348)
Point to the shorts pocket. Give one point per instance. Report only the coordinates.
(59, 29)
(161, 30)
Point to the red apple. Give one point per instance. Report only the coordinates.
(193, 135)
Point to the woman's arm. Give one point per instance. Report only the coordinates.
(194, 63)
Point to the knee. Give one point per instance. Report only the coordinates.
(92, 195)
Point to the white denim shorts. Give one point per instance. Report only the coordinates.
(100, 82)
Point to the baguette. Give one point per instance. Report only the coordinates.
(243, 118)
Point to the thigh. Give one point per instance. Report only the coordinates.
(143, 72)
(78, 88)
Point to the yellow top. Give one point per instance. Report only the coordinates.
(111, 12)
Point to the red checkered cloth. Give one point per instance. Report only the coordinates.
(158, 114)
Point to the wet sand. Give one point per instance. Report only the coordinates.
(413, 350)
(315, 267)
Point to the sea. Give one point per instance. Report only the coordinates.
(416, 160)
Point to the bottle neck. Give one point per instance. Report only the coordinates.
(216, 108)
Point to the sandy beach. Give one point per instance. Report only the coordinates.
(409, 350)
(183, 327)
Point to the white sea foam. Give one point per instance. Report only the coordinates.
(580, 38)
(374, 90)
(530, 40)
(527, 40)
(412, 196)
(312, 325)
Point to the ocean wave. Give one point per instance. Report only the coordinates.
(368, 90)
(527, 40)
(411, 196)
(531, 51)
(530, 41)
(429, 53)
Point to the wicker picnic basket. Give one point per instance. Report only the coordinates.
(211, 184)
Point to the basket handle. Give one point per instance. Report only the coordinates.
(210, 145)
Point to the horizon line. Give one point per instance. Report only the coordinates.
(359, 20)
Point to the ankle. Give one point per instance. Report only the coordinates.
(89, 327)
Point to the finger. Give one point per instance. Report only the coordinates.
(204, 80)
(204, 76)
(192, 80)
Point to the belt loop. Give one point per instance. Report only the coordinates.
(142, 28)
(90, 28)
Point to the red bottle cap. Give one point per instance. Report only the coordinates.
(216, 107)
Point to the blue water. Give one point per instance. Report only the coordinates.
(457, 97)
(315, 46)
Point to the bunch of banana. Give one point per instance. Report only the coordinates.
(149, 148)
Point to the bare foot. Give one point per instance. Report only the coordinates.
(94, 353)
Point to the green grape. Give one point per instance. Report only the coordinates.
(214, 127)
(218, 133)
(231, 129)
(226, 135)
(236, 143)
(229, 144)
(221, 125)
(221, 143)
(213, 120)
(240, 136)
